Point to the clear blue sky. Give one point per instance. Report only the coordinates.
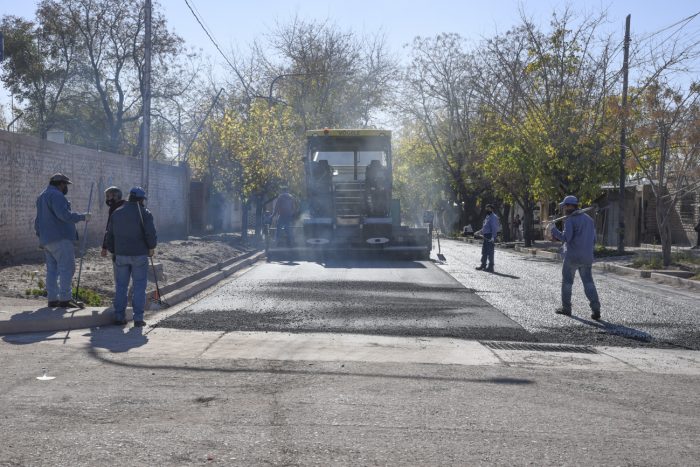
(236, 23)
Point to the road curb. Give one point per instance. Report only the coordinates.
(52, 320)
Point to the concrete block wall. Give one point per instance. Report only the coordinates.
(27, 163)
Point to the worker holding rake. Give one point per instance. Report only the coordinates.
(579, 240)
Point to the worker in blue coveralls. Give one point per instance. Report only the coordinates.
(55, 226)
(489, 231)
(131, 236)
(579, 240)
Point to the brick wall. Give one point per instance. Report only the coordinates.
(27, 163)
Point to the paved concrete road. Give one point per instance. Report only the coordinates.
(635, 312)
(381, 297)
(173, 397)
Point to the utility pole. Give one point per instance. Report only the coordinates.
(146, 141)
(623, 139)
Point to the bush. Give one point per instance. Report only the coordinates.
(89, 297)
(601, 251)
(35, 292)
(653, 262)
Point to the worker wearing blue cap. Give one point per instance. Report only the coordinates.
(131, 237)
(579, 240)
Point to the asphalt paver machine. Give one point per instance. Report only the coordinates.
(349, 209)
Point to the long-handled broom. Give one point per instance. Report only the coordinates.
(82, 251)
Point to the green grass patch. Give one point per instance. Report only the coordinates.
(648, 262)
(35, 292)
(89, 297)
(601, 251)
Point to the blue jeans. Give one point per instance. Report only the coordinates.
(487, 251)
(60, 266)
(568, 271)
(136, 269)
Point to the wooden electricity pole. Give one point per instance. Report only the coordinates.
(146, 141)
(623, 139)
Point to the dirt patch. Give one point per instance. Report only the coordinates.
(180, 258)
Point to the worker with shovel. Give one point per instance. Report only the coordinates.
(55, 226)
(131, 237)
(579, 240)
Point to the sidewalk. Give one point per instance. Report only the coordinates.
(337, 347)
(22, 316)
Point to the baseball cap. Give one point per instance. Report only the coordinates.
(137, 192)
(59, 177)
(569, 200)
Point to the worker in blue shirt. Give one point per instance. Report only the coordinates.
(55, 226)
(489, 231)
(579, 240)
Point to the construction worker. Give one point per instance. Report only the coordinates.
(697, 242)
(285, 209)
(489, 230)
(579, 240)
(55, 226)
(131, 237)
(113, 199)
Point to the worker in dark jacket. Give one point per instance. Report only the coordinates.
(55, 226)
(285, 209)
(579, 241)
(113, 199)
(131, 237)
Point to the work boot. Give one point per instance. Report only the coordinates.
(120, 322)
(70, 304)
(480, 268)
(563, 311)
(54, 303)
(595, 315)
(489, 269)
(139, 324)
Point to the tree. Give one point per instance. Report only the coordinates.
(441, 103)
(417, 181)
(551, 124)
(330, 77)
(256, 151)
(80, 67)
(665, 144)
(41, 61)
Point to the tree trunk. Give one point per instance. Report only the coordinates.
(244, 220)
(528, 221)
(663, 220)
(258, 215)
(506, 224)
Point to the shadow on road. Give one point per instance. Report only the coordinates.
(509, 276)
(617, 329)
(114, 339)
(370, 264)
(311, 372)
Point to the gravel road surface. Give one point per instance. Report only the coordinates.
(378, 297)
(635, 312)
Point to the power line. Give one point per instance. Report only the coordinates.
(211, 38)
(684, 20)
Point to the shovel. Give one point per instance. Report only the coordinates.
(440, 256)
(157, 297)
